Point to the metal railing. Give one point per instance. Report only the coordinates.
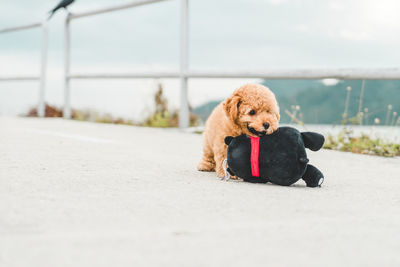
(184, 73)
(43, 64)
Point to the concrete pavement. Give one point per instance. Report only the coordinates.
(85, 194)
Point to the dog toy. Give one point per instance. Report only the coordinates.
(279, 158)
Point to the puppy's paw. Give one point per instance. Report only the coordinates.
(221, 174)
(205, 166)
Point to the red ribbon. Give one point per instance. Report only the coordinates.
(255, 151)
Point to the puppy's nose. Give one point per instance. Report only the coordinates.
(266, 125)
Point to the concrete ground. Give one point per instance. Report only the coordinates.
(85, 194)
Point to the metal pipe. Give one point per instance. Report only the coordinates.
(184, 114)
(114, 8)
(342, 74)
(19, 78)
(67, 93)
(136, 75)
(20, 28)
(43, 68)
(360, 104)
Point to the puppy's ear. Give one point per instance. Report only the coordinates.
(313, 141)
(228, 140)
(231, 107)
(277, 112)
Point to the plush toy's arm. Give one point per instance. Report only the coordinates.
(313, 141)
(228, 140)
(313, 177)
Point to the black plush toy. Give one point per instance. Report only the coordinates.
(279, 158)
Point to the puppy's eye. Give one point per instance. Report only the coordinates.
(252, 112)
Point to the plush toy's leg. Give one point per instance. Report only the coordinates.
(313, 177)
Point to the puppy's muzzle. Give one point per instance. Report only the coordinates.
(255, 132)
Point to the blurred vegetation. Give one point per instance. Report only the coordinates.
(80, 115)
(161, 117)
(50, 112)
(346, 141)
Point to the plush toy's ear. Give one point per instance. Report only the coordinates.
(313, 141)
(228, 140)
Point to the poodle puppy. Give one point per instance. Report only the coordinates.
(251, 110)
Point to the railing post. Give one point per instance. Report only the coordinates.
(184, 106)
(43, 68)
(67, 94)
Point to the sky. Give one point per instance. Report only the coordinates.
(224, 35)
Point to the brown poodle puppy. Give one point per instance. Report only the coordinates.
(251, 110)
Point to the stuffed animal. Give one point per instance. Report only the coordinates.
(279, 158)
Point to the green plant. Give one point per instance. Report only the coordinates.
(162, 116)
(347, 141)
(160, 119)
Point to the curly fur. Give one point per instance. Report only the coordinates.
(234, 117)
